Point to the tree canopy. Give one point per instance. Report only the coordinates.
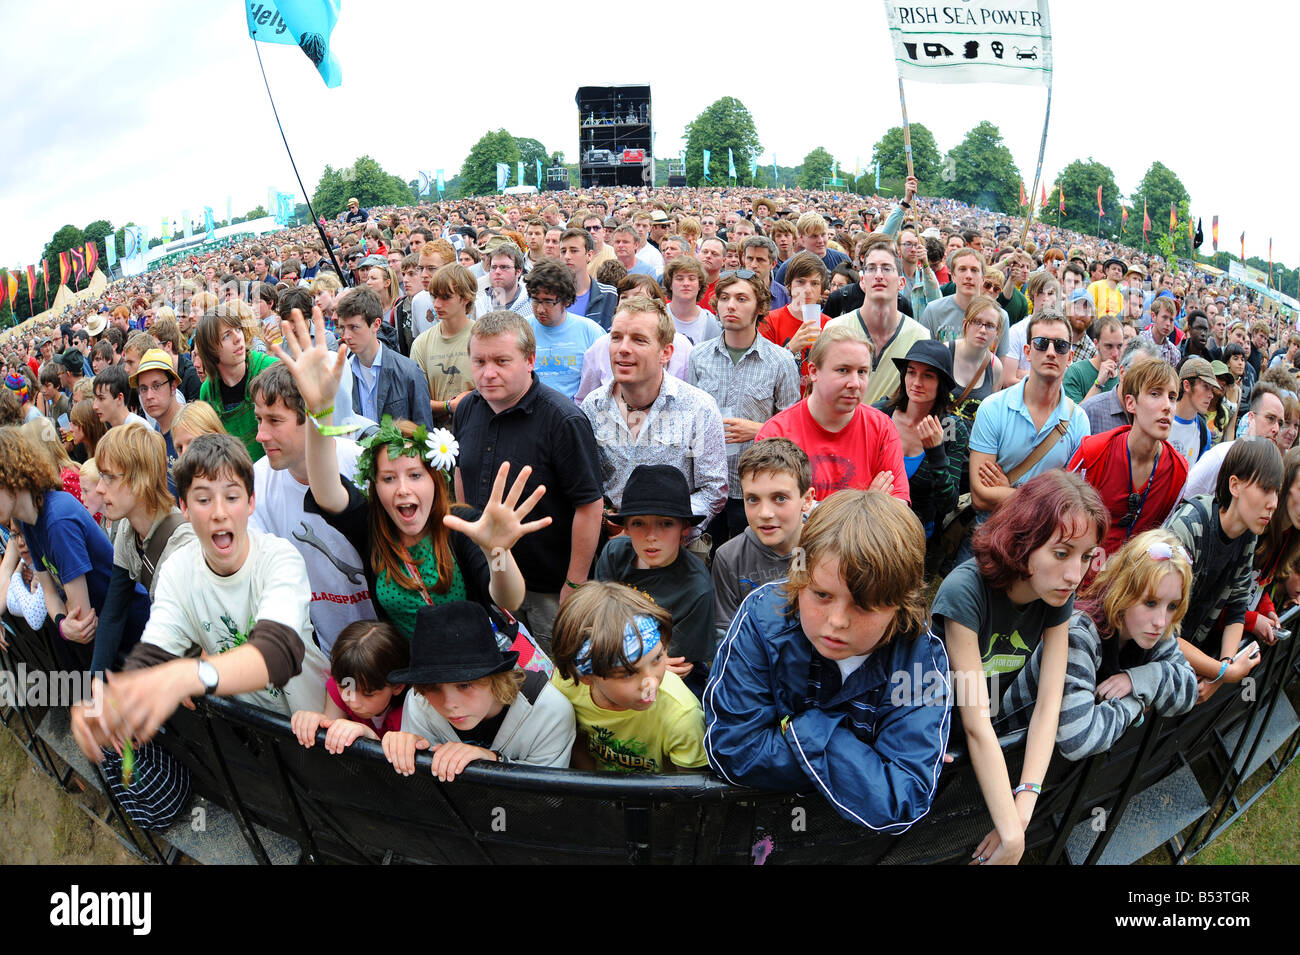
(816, 169)
(366, 180)
(926, 161)
(530, 150)
(725, 124)
(1079, 181)
(478, 174)
(982, 171)
(1162, 190)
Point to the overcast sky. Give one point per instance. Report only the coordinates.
(140, 114)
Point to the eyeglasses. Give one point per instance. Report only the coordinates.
(109, 478)
(986, 326)
(1163, 551)
(990, 286)
(502, 268)
(545, 302)
(879, 270)
(1061, 345)
(738, 274)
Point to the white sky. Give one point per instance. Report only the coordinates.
(143, 115)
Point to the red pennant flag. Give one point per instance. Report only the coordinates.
(1191, 231)
(1043, 204)
(45, 271)
(1100, 210)
(78, 264)
(1173, 218)
(4, 295)
(1146, 220)
(1060, 195)
(31, 287)
(92, 257)
(65, 267)
(1023, 200)
(1243, 248)
(1123, 219)
(1214, 233)
(11, 281)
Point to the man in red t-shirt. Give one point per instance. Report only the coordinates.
(1135, 469)
(849, 444)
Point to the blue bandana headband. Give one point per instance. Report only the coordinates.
(640, 636)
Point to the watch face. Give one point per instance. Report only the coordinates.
(208, 676)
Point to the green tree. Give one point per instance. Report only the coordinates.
(96, 232)
(478, 173)
(257, 212)
(979, 170)
(1079, 181)
(816, 169)
(68, 237)
(1161, 190)
(891, 155)
(725, 124)
(366, 180)
(530, 150)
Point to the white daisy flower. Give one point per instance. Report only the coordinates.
(442, 449)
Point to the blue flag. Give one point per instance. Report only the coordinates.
(209, 224)
(110, 248)
(503, 175)
(877, 177)
(306, 24)
(442, 183)
(775, 177)
(706, 164)
(423, 183)
(540, 180)
(753, 168)
(519, 173)
(731, 164)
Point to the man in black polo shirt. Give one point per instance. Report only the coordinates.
(512, 417)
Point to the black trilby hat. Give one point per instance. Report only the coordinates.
(658, 489)
(453, 643)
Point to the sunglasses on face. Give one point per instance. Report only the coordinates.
(1061, 345)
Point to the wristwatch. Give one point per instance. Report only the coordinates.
(208, 676)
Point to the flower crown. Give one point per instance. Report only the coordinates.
(438, 447)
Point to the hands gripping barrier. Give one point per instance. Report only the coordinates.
(354, 808)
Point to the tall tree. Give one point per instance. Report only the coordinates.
(1160, 189)
(530, 150)
(478, 174)
(1079, 181)
(891, 155)
(366, 180)
(725, 124)
(816, 169)
(95, 232)
(69, 237)
(982, 171)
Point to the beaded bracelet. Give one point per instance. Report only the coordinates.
(1034, 788)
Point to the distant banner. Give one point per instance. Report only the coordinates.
(540, 178)
(306, 24)
(422, 180)
(4, 291)
(166, 230)
(442, 182)
(978, 41)
(65, 267)
(503, 174)
(706, 164)
(519, 173)
(189, 229)
(31, 287)
(110, 249)
(11, 281)
(78, 264)
(731, 164)
(209, 224)
(92, 257)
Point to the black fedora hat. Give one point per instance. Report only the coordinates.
(932, 353)
(658, 489)
(453, 643)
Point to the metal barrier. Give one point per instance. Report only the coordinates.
(354, 808)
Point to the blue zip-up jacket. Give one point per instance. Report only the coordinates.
(874, 748)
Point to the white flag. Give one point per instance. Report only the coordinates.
(978, 41)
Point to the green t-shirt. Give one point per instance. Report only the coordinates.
(401, 604)
(1079, 379)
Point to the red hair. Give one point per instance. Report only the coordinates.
(1052, 502)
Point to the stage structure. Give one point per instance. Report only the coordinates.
(615, 136)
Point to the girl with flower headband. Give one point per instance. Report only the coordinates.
(1124, 656)
(416, 551)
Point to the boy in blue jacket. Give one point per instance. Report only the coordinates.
(833, 677)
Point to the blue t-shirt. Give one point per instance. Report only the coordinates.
(579, 306)
(560, 350)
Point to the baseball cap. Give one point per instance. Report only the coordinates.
(1198, 367)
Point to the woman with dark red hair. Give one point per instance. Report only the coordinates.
(993, 610)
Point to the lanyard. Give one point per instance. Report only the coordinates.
(415, 574)
(1128, 455)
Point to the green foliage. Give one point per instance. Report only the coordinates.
(982, 171)
(1160, 188)
(95, 232)
(69, 237)
(726, 124)
(1079, 181)
(366, 180)
(478, 174)
(530, 150)
(890, 153)
(257, 212)
(816, 169)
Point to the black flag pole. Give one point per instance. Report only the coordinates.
(329, 248)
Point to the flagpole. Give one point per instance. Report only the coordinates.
(907, 131)
(1038, 172)
(344, 277)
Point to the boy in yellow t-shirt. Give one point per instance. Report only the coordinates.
(610, 646)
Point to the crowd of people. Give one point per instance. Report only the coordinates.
(785, 485)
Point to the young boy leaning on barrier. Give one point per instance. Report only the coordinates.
(239, 597)
(832, 677)
(610, 646)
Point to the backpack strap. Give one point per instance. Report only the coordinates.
(1048, 442)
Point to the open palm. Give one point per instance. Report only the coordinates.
(501, 524)
(315, 369)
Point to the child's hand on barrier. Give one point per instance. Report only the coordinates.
(304, 724)
(400, 749)
(452, 758)
(343, 733)
(1115, 687)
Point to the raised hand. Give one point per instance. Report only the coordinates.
(310, 362)
(502, 522)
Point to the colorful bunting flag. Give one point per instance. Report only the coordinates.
(65, 267)
(1023, 200)
(1173, 218)
(1146, 221)
(1100, 210)
(4, 294)
(1214, 232)
(11, 282)
(78, 265)
(31, 287)
(92, 257)
(1060, 194)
